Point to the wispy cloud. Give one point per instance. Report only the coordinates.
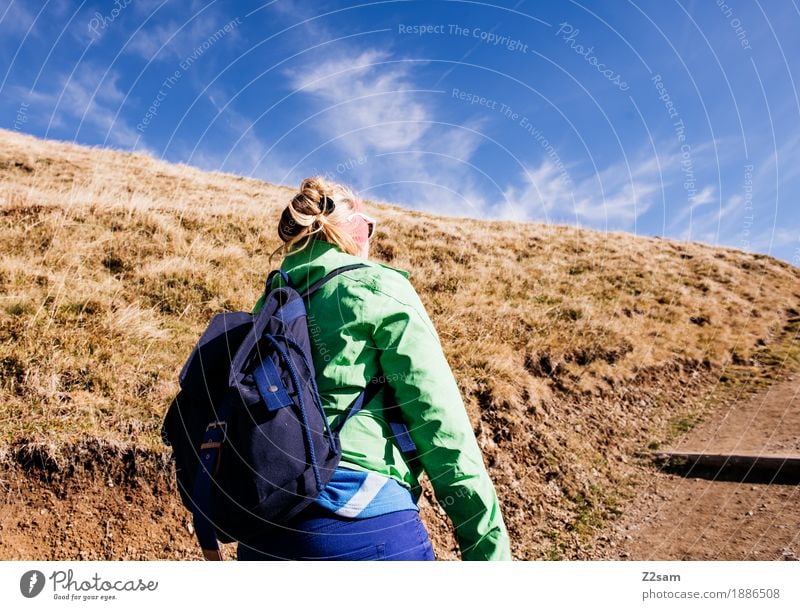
(756, 215)
(769, 241)
(232, 144)
(175, 40)
(369, 105)
(83, 99)
(704, 197)
(784, 157)
(15, 17)
(155, 42)
(615, 195)
(712, 226)
(438, 174)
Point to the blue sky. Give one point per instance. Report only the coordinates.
(678, 119)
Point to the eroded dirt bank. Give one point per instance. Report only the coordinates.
(103, 501)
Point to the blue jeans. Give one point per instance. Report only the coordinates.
(318, 534)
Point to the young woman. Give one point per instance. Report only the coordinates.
(365, 323)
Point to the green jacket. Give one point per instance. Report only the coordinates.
(372, 317)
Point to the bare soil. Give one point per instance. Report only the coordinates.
(675, 518)
(100, 501)
(105, 502)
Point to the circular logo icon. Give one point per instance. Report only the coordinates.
(31, 583)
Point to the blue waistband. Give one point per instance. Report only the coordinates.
(359, 494)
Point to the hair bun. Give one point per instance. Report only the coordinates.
(326, 204)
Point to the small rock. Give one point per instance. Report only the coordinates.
(749, 513)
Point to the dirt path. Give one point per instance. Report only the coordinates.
(691, 518)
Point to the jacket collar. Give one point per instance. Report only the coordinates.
(306, 266)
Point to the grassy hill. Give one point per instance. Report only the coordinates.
(575, 350)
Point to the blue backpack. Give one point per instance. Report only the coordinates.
(250, 440)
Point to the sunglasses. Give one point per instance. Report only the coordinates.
(371, 222)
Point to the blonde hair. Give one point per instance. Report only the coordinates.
(305, 217)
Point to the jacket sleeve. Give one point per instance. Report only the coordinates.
(415, 366)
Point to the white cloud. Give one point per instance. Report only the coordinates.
(704, 197)
(147, 7)
(784, 157)
(83, 99)
(543, 188)
(616, 195)
(366, 102)
(176, 40)
(371, 108)
(149, 42)
(769, 241)
(437, 174)
(15, 17)
(240, 151)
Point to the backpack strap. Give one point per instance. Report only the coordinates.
(367, 394)
(260, 322)
(393, 414)
(318, 284)
(394, 417)
(262, 318)
(204, 529)
(273, 273)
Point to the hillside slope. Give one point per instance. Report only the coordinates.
(575, 350)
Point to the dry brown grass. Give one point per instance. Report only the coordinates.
(573, 348)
